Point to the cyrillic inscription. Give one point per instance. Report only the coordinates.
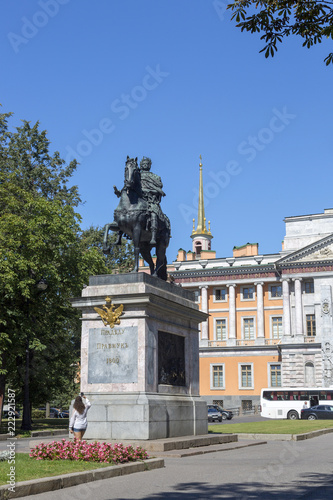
(113, 355)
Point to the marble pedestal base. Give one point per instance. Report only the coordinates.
(141, 376)
(145, 416)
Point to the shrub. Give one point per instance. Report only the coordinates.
(89, 452)
(38, 414)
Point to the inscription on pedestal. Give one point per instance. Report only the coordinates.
(113, 355)
(171, 359)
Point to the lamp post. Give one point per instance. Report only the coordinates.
(41, 286)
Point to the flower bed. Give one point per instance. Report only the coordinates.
(89, 452)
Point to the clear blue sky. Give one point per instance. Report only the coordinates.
(173, 79)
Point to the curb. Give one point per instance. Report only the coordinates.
(58, 432)
(286, 437)
(45, 484)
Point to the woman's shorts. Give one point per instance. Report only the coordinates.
(79, 430)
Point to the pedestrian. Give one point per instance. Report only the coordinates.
(78, 423)
(305, 405)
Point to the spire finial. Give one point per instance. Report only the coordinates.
(201, 235)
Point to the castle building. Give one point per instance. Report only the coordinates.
(270, 316)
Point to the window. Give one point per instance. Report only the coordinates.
(276, 327)
(220, 294)
(309, 286)
(310, 379)
(275, 375)
(248, 328)
(198, 248)
(246, 404)
(310, 325)
(246, 376)
(221, 329)
(276, 291)
(217, 376)
(248, 293)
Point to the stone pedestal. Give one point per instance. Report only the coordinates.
(141, 376)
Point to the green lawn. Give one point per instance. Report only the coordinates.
(272, 427)
(40, 424)
(28, 468)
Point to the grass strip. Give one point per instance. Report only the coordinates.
(41, 424)
(272, 427)
(27, 468)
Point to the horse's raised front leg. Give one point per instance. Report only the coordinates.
(106, 247)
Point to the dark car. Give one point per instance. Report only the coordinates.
(226, 414)
(64, 414)
(214, 415)
(54, 412)
(10, 412)
(319, 411)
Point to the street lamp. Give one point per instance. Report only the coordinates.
(41, 286)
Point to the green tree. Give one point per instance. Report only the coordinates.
(39, 239)
(121, 257)
(310, 19)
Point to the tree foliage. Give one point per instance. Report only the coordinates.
(121, 257)
(310, 19)
(40, 238)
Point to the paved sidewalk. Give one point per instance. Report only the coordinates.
(278, 470)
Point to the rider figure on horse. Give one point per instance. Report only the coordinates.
(151, 185)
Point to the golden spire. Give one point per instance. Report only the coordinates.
(201, 227)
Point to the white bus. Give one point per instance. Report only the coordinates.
(287, 402)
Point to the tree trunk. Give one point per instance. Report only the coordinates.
(26, 418)
(2, 393)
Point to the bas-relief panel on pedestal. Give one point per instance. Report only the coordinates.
(113, 355)
(171, 359)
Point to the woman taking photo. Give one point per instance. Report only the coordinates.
(78, 423)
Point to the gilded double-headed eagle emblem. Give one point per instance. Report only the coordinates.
(110, 316)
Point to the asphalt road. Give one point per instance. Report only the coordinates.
(242, 419)
(275, 471)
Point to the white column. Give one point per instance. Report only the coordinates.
(232, 311)
(204, 308)
(286, 307)
(260, 311)
(298, 306)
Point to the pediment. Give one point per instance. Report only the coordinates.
(319, 251)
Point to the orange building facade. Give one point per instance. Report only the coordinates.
(269, 316)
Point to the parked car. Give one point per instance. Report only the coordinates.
(319, 411)
(64, 414)
(54, 412)
(226, 414)
(214, 415)
(8, 411)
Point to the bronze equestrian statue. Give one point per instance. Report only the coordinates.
(139, 216)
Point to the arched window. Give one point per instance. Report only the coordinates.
(198, 248)
(310, 379)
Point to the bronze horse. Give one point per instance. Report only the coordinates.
(132, 219)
